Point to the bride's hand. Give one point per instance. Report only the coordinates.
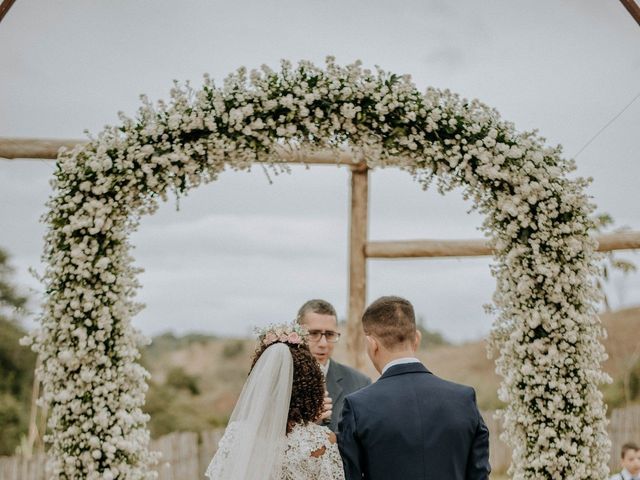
(327, 408)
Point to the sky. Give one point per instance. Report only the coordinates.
(244, 252)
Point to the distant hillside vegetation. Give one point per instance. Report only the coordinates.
(219, 366)
(196, 378)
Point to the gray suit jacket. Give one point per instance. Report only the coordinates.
(342, 381)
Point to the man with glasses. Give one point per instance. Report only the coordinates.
(320, 319)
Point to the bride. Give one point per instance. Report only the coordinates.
(272, 434)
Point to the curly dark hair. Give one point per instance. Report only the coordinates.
(307, 391)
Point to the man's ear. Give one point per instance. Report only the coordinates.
(418, 340)
(373, 343)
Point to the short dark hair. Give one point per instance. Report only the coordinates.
(317, 305)
(626, 447)
(391, 320)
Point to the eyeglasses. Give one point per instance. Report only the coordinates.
(316, 335)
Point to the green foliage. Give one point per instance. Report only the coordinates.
(167, 342)
(430, 338)
(13, 422)
(170, 411)
(634, 383)
(614, 393)
(178, 379)
(10, 299)
(16, 363)
(233, 348)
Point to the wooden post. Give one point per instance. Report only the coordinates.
(358, 261)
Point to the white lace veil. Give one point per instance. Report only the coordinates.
(257, 430)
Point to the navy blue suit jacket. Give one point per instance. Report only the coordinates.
(412, 425)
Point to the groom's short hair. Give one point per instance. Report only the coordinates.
(391, 320)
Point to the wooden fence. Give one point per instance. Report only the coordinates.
(624, 427)
(185, 456)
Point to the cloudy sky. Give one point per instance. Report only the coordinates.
(243, 252)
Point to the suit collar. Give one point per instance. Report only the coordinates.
(399, 361)
(334, 371)
(334, 380)
(401, 369)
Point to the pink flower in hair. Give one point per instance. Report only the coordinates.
(270, 338)
(294, 338)
(283, 337)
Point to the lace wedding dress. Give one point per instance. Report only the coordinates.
(310, 453)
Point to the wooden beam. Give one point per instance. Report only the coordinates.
(47, 149)
(427, 248)
(618, 241)
(478, 248)
(4, 7)
(358, 262)
(633, 8)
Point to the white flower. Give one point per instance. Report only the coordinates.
(349, 111)
(65, 356)
(102, 263)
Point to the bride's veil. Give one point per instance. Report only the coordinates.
(258, 425)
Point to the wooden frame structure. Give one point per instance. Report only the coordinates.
(360, 248)
(633, 9)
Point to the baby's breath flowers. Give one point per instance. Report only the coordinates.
(537, 218)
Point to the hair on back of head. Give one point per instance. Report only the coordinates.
(317, 305)
(391, 320)
(307, 389)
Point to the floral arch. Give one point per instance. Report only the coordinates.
(546, 332)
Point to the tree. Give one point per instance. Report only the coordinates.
(11, 301)
(16, 363)
(430, 338)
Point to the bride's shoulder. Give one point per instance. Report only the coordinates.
(312, 431)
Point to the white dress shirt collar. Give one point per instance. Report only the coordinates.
(399, 361)
(624, 474)
(325, 368)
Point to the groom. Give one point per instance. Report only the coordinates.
(410, 424)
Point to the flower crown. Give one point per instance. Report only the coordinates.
(291, 333)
